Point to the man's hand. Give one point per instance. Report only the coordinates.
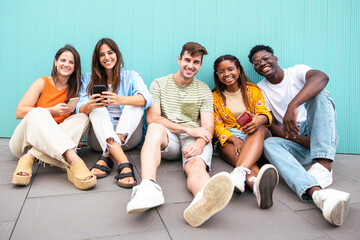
(200, 132)
(302, 140)
(193, 149)
(290, 127)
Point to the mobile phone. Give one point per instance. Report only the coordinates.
(244, 118)
(98, 89)
(73, 101)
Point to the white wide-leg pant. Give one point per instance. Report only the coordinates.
(46, 140)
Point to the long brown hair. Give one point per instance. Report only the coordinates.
(98, 73)
(74, 80)
(243, 80)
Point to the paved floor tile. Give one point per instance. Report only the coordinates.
(5, 153)
(52, 208)
(241, 219)
(153, 235)
(12, 199)
(173, 184)
(6, 229)
(349, 231)
(82, 216)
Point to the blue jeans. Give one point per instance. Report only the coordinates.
(289, 157)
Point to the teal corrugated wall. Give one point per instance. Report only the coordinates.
(323, 34)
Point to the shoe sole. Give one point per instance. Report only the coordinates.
(268, 178)
(21, 180)
(340, 212)
(217, 194)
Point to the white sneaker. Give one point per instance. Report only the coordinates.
(144, 196)
(334, 204)
(239, 177)
(212, 198)
(264, 185)
(323, 176)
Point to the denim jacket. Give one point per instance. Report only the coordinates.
(131, 84)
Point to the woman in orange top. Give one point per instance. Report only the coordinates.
(48, 131)
(242, 146)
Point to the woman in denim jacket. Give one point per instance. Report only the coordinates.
(116, 114)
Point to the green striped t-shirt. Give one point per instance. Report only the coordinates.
(179, 104)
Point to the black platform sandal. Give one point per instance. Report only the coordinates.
(106, 169)
(124, 175)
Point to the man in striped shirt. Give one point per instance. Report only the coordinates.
(181, 125)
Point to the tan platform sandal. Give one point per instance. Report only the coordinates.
(24, 165)
(77, 173)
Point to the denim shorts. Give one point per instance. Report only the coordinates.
(238, 133)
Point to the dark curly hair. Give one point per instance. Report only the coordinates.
(259, 48)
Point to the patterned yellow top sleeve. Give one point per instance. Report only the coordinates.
(225, 119)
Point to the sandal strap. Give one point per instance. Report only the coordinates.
(108, 161)
(124, 165)
(104, 168)
(124, 175)
(80, 171)
(25, 165)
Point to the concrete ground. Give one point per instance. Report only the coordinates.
(51, 208)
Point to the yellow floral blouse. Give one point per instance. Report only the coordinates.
(225, 119)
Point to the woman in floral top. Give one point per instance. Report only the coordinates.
(242, 146)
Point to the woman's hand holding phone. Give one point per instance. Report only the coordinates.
(96, 101)
(256, 122)
(110, 98)
(60, 109)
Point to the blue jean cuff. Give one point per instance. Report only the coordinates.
(325, 156)
(303, 195)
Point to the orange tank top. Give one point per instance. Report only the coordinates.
(50, 97)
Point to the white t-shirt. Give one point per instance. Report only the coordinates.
(278, 96)
(114, 110)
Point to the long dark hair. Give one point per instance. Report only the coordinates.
(98, 73)
(243, 80)
(74, 80)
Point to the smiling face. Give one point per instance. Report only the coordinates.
(265, 63)
(65, 64)
(189, 65)
(228, 74)
(107, 57)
